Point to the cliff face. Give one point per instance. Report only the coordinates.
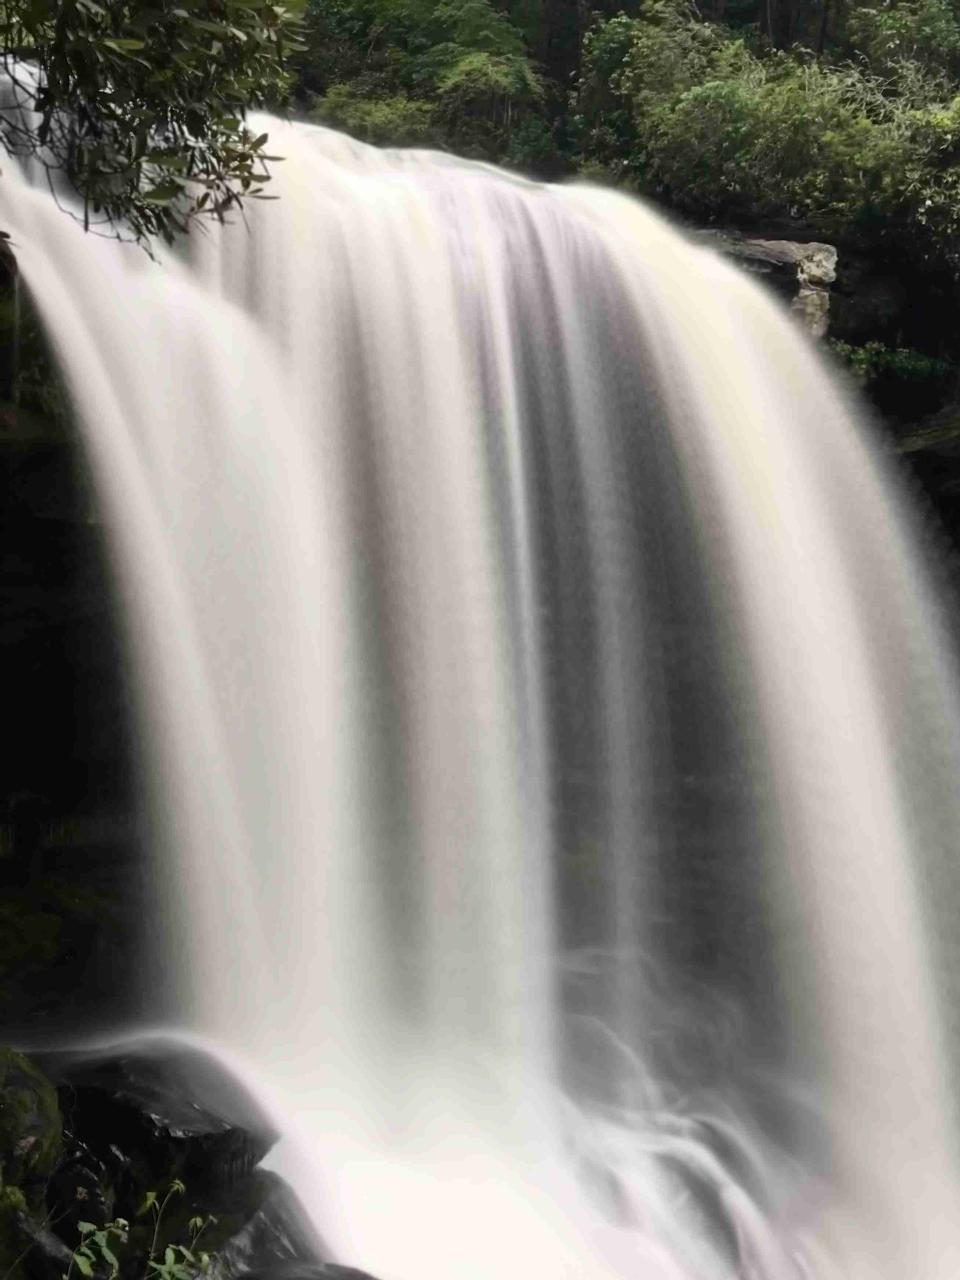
(69, 870)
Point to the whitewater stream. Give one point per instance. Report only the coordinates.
(551, 721)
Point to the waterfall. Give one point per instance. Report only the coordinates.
(551, 722)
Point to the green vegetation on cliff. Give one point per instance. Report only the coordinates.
(30, 1132)
(456, 74)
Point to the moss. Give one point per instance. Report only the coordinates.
(31, 1134)
(13, 1205)
(873, 359)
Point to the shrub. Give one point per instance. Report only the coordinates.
(393, 120)
(453, 74)
(921, 32)
(685, 110)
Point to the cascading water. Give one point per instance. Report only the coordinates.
(551, 722)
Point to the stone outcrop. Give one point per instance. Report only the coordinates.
(801, 272)
(172, 1111)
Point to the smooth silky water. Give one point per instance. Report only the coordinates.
(552, 727)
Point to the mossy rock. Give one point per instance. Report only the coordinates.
(31, 1135)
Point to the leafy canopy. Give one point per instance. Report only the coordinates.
(430, 72)
(137, 109)
(698, 114)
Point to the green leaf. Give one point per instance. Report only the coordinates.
(149, 1200)
(84, 1265)
(162, 194)
(85, 1228)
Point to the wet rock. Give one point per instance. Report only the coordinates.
(307, 1271)
(30, 1126)
(816, 271)
(336, 1272)
(270, 1234)
(157, 1112)
(80, 1190)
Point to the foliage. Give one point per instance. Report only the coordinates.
(908, 384)
(451, 74)
(687, 110)
(922, 32)
(178, 1261)
(95, 1255)
(804, 141)
(634, 71)
(13, 1206)
(95, 1252)
(137, 108)
(393, 120)
(873, 359)
(30, 1126)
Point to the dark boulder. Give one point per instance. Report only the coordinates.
(82, 1189)
(307, 1271)
(265, 1229)
(156, 1112)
